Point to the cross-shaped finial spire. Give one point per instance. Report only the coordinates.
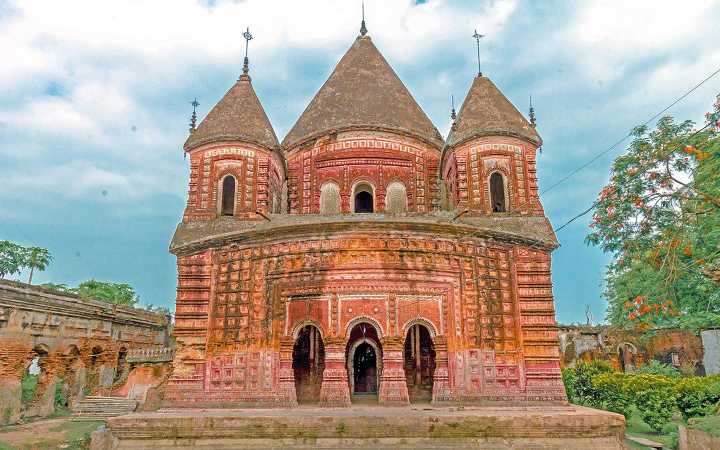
(193, 118)
(363, 28)
(477, 37)
(533, 120)
(453, 116)
(246, 63)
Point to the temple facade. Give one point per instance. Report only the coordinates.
(364, 258)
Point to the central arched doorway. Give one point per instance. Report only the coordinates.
(419, 363)
(365, 369)
(364, 362)
(308, 364)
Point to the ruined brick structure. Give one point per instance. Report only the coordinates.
(83, 343)
(365, 255)
(627, 350)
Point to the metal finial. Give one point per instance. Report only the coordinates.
(193, 118)
(453, 116)
(363, 28)
(477, 37)
(246, 63)
(533, 121)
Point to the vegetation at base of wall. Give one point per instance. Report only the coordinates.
(578, 381)
(61, 398)
(698, 396)
(28, 385)
(653, 397)
(657, 368)
(7, 412)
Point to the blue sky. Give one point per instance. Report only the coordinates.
(94, 105)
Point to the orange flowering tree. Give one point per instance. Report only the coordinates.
(659, 216)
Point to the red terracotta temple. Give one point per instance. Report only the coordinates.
(364, 258)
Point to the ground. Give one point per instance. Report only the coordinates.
(61, 433)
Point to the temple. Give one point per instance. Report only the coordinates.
(365, 257)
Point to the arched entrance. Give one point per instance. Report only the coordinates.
(364, 362)
(308, 364)
(419, 363)
(365, 369)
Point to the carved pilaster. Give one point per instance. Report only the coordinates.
(393, 385)
(441, 379)
(335, 391)
(286, 385)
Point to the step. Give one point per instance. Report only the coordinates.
(97, 407)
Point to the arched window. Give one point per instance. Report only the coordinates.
(329, 198)
(363, 201)
(396, 198)
(227, 205)
(497, 193)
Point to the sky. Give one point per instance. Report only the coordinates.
(95, 103)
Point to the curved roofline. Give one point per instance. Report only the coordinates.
(278, 228)
(228, 138)
(478, 134)
(400, 131)
(363, 87)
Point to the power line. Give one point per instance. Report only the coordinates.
(620, 141)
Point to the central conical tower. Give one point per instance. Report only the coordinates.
(363, 144)
(363, 92)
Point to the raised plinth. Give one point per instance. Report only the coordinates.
(367, 427)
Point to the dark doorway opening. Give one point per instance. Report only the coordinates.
(497, 192)
(363, 202)
(365, 369)
(308, 364)
(419, 363)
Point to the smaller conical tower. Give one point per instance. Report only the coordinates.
(236, 168)
(488, 161)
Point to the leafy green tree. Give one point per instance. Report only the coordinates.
(36, 258)
(12, 257)
(117, 293)
(659, 216)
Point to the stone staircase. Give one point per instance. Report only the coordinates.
(99, 408)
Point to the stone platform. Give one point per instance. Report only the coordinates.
(416, 427)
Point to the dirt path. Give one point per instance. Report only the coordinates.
(59, 433)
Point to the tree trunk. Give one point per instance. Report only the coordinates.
(31, 274)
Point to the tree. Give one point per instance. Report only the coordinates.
(117, 293)
(12, 257)
(659, 217)
(36, 258)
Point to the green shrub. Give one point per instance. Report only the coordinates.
(698, 396)
(28, 385)
(61, 400)
(654, 397)
(578, 382)
(657, 368)
(613, 392)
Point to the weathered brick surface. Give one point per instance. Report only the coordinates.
(432, 253)
(77, 340)
(495, 428)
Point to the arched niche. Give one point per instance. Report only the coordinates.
(396, 198)
(330, 198)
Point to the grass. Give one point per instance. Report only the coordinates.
(708, 424)
(668, 437)
(68, 434)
